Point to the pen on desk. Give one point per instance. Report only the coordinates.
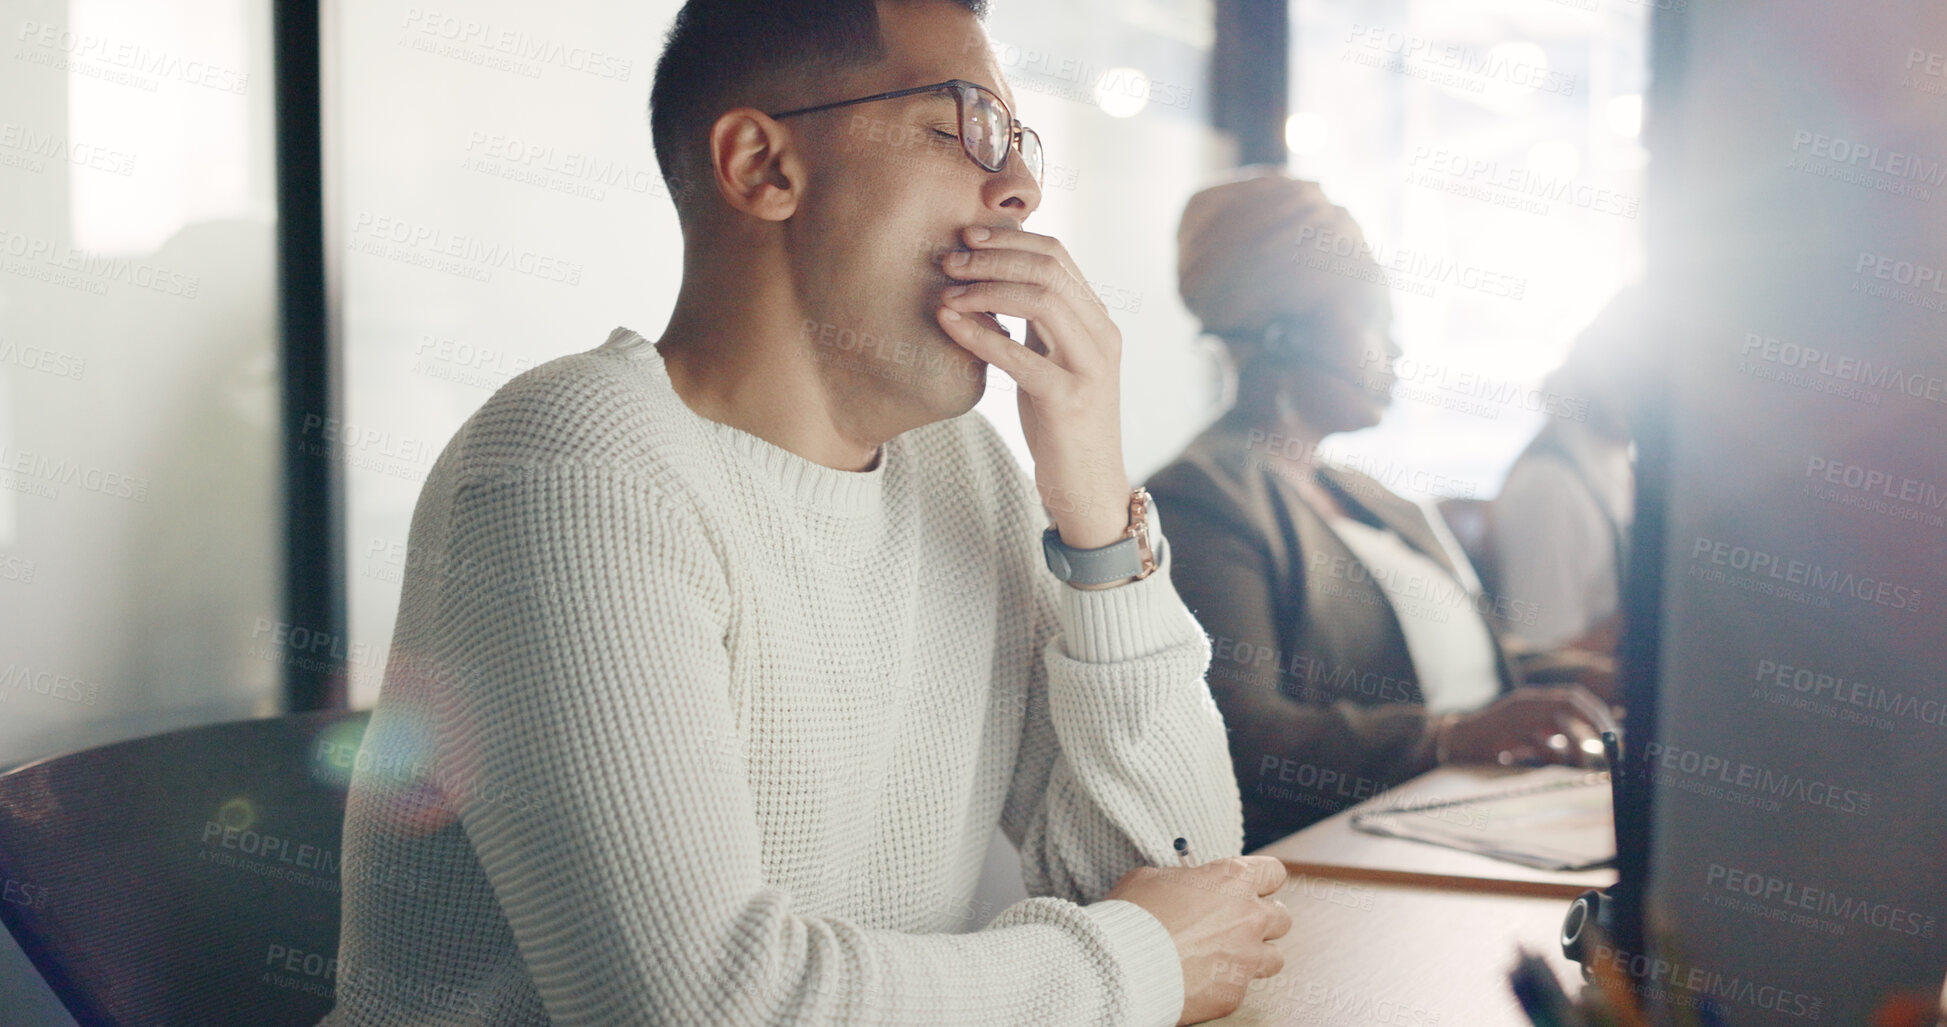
(1183, 853)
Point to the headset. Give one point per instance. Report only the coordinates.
(1281, 339)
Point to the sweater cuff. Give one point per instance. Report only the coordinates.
(1130, 621)
(1151, 967)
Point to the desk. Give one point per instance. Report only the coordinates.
(1331, 848)
(1395, 955)
(1394, 933)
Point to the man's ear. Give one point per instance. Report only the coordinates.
(758, 170)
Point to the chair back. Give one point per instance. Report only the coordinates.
(189, 879)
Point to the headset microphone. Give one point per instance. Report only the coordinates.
(1283, 343)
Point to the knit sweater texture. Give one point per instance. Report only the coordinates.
(679, 727)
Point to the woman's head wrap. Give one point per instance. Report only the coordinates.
(1266, 246)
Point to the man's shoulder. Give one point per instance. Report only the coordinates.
(594, 410)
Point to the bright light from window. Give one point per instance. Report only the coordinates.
(1626, 115)
(1122, 92)
(1523, 64)
(184, 135)
(1555, 160)
(1489, 164)
(1513, 74)
(1304, 132)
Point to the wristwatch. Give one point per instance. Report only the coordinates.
(1128, 557)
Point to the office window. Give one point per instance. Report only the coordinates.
(139, 512)
(1491, 151)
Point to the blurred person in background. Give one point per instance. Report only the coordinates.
(1350, 653)
(1560, 526)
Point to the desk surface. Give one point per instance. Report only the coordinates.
(1395, 933)
(1331, 848)
(1388, 955)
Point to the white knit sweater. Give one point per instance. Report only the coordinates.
(682, 728)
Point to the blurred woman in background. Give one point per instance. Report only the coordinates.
(1352, 648)
(1560, 527)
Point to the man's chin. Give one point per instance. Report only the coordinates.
(972, 379)
(949, 383)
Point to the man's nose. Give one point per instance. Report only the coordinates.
(1013, 189)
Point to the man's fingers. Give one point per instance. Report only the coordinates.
(1019, 239)
(1030, 269)
(1027, 368)
(1031, 302)
(1267, 873)
(1055, 321)
(1280, 924)
(1272, 963)
(1244, 876)
(1006, 265)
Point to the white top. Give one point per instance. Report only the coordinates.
(1453, 652)
(681, 728)
(1450, 547)
(1554, 539)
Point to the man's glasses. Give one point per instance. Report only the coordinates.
(987, 130)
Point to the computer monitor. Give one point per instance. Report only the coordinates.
(1783, 833)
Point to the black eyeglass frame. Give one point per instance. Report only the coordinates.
(1016, 130)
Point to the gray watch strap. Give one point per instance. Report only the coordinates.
(1117, 560)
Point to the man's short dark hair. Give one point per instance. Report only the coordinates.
(717, 49)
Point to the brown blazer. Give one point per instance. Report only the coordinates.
(1309, 664)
